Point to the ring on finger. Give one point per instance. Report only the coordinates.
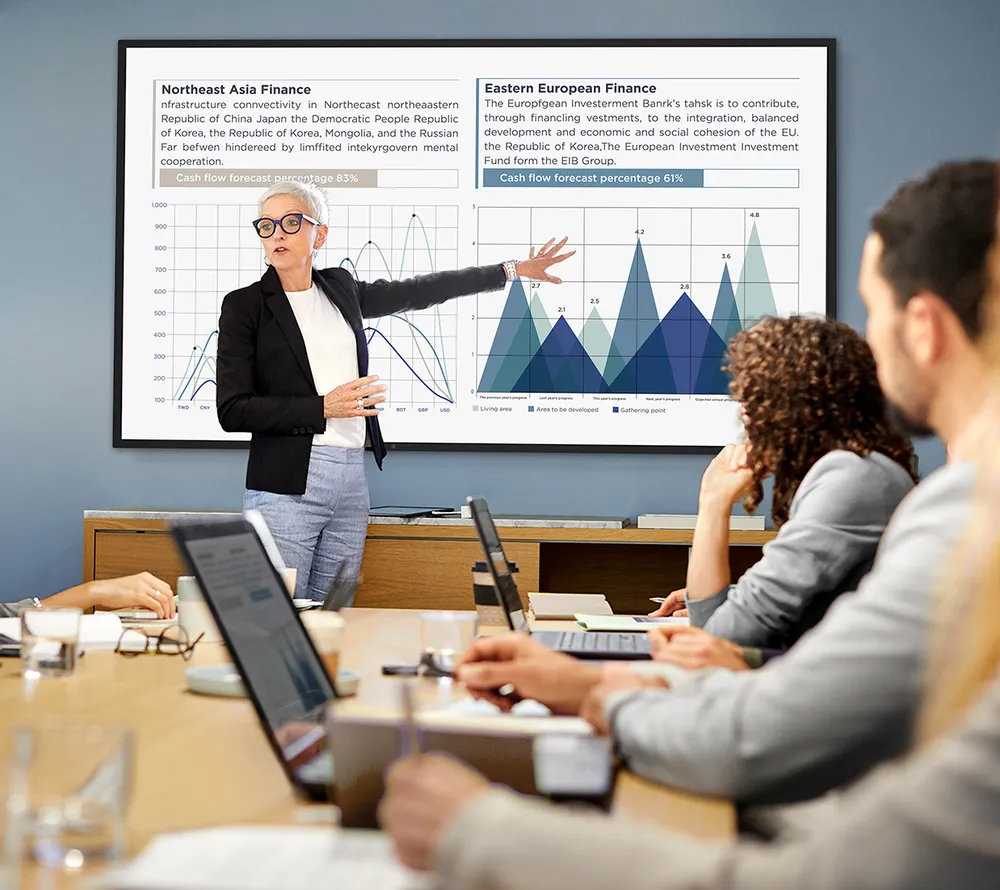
(157, 594)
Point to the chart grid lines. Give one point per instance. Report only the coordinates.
(215, 250)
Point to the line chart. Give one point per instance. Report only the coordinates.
(215, 250)
(432, 375)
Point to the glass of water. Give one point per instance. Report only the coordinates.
(444, 636)
(69, 787)
(50, 639)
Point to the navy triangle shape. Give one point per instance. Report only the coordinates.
(561, 364)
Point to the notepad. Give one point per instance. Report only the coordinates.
(639, 623)
(263, 858)
(102, 630)
(143, 616)
(567, 605)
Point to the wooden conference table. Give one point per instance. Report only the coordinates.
(203, 761)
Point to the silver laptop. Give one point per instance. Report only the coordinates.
(281, 671)
(602, 645)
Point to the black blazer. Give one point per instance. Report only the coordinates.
(264, 384)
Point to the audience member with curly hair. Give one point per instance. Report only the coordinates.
(815, 421)
(808, 387)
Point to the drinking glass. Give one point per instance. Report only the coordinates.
(444, 636)
(69, 787)
(326, 630)
(50, 639)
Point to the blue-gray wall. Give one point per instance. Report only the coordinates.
(918, 84)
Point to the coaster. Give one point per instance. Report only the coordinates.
(224, 680)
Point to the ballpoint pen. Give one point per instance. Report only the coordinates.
(411, 736)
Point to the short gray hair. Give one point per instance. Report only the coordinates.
(311, 195)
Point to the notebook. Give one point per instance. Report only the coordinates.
(262, 858)
(142, 616)
(102, 630)
(627, 622)
(567, 605)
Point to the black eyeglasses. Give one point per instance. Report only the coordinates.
(290, 224)
(173, 641)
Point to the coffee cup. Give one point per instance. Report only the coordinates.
(193, 614)
(326, 630)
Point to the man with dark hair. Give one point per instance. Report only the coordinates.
(959, 198)
(922, 269)
(844, 698)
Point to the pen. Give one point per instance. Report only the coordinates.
(411, 738)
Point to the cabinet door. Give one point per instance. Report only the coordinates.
(437, 574)
(119, 553)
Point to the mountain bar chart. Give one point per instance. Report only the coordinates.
(643, 350)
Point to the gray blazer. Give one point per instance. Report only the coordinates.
(12, 610)
(930, 822)
(826, 547)
(838, 703)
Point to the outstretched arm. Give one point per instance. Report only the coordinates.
(382, 297)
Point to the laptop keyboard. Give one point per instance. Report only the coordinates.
(602, 641)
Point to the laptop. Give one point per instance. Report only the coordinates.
(283, 675)
(603, 645)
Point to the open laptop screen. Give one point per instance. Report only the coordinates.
(268, 643)
(503, 581)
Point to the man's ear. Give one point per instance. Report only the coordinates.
(927, 329)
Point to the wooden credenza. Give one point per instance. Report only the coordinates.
(423, 566)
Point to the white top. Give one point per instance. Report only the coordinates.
(332, 351)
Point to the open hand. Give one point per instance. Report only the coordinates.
(537, 264)
(356, 398)
(727, 478)
(694, 648)
(514, 660)
(142, 591)
(673, 605)
(616, 678)
(424, 795)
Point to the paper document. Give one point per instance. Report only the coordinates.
(627, 622)
(102, 630)
(265, 858)
(143, 616)
(566, 605)
(483, 717)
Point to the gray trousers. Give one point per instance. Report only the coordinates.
(321, 534)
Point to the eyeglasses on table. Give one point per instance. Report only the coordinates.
(172, 641)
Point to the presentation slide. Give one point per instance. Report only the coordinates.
(692, 180)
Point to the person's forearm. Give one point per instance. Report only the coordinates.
(708, 567)
(567, 849)
(383, 297)
(83, 596)
(240, 412)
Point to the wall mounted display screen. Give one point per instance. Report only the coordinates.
(694, 179)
